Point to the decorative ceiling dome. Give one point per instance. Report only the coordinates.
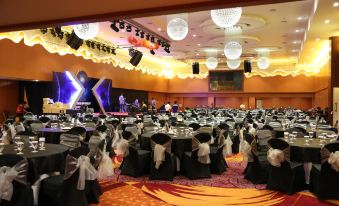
(177, 29)
(233, 63)
(211, 63)
(233, 50)
(86, 31)
(226, 17)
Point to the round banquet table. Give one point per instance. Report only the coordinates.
(52, 135)
(44, 161)
(180, 143)
(306, 153)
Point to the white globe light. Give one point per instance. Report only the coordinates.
(177, 29)
(233, 50)
(211, 63)
(263, 62)
(86, 31)
(226, 17)
(233, 63)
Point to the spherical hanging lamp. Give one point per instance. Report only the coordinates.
(86, 31)
(233, 63)
(263, 62)
(177, 29)
(233, 50)
(211, 63)
(226, 17)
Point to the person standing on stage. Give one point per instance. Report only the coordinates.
(122, 103)
(175, 107)
(136, 103)
(168, 108)
(153, 104)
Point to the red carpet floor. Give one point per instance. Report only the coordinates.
(229, 188)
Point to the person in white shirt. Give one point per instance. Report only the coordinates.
(122, 103)
(168, 107)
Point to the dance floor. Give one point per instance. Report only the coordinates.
(230, 188)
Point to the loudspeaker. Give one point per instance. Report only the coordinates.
(195, 68)
(247, 66)
(136, 57)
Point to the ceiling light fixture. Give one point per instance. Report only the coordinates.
(233, 50)
(128, 28)
(86, 31)
(300, 18)
(211, 63)
(233, 64)
(226, 17)
(177, 29)
(152, 51)
(121, 25)
(336, 4)
(263, 63)
(194, 35)
(327, 21)
(114, 26)
(317, 39)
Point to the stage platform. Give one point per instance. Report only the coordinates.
(117, 114)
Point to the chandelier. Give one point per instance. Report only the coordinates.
(211, 63)
(86, 31)
(177, 29)
(263, 62)
(233, 50)
(233, 63)
(226, 17)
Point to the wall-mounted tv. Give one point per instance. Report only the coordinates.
(226, 80)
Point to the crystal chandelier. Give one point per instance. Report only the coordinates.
(211, 63)
(233, 63)
(177, 29)
(263, 62)
(86, 31)
(233, 50)
(226, 17)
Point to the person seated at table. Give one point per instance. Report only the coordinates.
(175, 107)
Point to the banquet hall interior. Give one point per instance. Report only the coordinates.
(181, 102)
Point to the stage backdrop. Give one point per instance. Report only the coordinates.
(88, 96)
(130, 96)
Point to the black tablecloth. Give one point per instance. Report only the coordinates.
(180, 143)
(306, 153)
(44, 161)
(52, 135)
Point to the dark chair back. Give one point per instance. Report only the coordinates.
(195, 126)
(203, 137)
(101, 128)
(160, 138)
(77, 130)
(44, 119)
(267, 127)
(277, 143)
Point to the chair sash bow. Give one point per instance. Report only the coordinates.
(159, 152)
(203, 150)
(7, 174)
(331, 157)
(86, 170)
(275, 157)
(123, 147)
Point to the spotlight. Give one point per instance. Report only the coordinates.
(114, 26)
(159, 42)
(163, 44)
(53, 32)
(88, 43)
(121, 25)
(128, 28)
(92, 45)
(142, 34)
(136, 58)
(137, 31)
(147, 37)
(167, 48)
(74, 41)
(113, 51)
(152, 52)
(152, 39)
(98, 47)
(104, 48)
(44, 31)
(131, 51)
(59, 32)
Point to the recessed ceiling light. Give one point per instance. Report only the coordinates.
(297, 30)
(336, 4)
(295, 42)
(294, 50)
(159, 29)
(317, 39)
(122, 30)
(327, 21)
(194, 35)
(197, 54)
(300, 18)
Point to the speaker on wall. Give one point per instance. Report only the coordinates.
(247, 66)
(136, 57)
(195, 68)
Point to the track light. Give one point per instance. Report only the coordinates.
(142, 34)
(103, 48)
(73, 40)
(167, 48)
(129, 28)
(113, 51)
(137, 32)
(59, 32)
(53, 32)
(88, 43)
(98, 47)
(147, 36)
(152, 39)
(44, 31)
(152, 52)
(159, 42)
(122, 25)
(136, 57)
(114, 26)
(92, 45)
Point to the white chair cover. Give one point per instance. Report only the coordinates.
(86, 170)
(333, 160)
(133, 130)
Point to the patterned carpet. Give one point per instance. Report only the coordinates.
(230, 188)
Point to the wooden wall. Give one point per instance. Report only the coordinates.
(9, 91)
